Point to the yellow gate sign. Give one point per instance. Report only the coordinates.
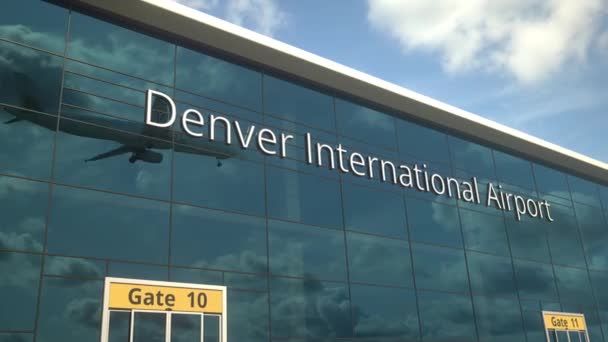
(562, 321)
(127, 296)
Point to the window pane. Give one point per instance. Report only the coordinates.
(300, 307)
(149, 327)
(222, 80)
(484, 233)
(433, 222)
(535, 280)
(200, 180)
(299, 104)
(573, 285)
(79, 145)
(24, 206)
(30, 79)
(469, 156)
(422, 142)
(564, 240)
(508, 328)
(16, 337)
(365, 124)
(438, 268)
(137, 271)
(96, 224)
(186, 328)
(550, 181)
(446, 317)
(490, 275)
(247, 316)
(18, 290)
(117, 48)
(384, 312)
(119, 326)
(594, 232)
(513, 170)
(74, 267)
(304, 198)
(584, 191)
(599, 281)
(377, 260)
(193, 275)
(70, 311)
(305, 251)
(372, 211)
(528, 239)
(34, 22)
(213, 239)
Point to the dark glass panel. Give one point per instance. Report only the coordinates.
(304, 251)
(469, 156)
(309, 308)
(372, 211)
(213, 239)
(528, 239)
(484, 233)
(74, 267)
(111, 46)
(95, 224)
(599, 281)
(422, 142)
(304, 198)
(187, 328)
(584, 191)
(535, 280)
(18, 290)
(119, 326)
(433, 222)
(212, 328)
(438, 268)
(215, 78)
(376, 260)
(70, 310)
(573, 285)
(365, 124)
(31, 80)
(299, 104)
(194, 275)
(594, 232)
(81, 161)
(236, 184)
(604, 197)
(35, 23)
(24, 207)
(217, 107)
(550, 181)
(137, 271)
(498, 319)
(16, 337)
(446, 317)
(490, 275)
(514, 170)
(534, 326)
(246, 281)
(149, 327)
(248, 316)
(564, 240)
(384, 312)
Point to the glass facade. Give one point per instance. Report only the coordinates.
(307, 253)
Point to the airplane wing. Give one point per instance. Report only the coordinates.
(115, 152)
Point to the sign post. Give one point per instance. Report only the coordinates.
(573, 324)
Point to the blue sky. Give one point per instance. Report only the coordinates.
(540, 66)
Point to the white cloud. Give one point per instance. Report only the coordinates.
(263, 16)
(528, 38)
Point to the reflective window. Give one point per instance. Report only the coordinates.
(551, 181)
(300, 307)
(384, 312)
(438, 268)
(74, 267)
(433, 222)
(498, 319)
(299, 104)
(469, 156)
(564, 240)
(422, 142)
(92, 156)
(247, 316)
(137, 271)
(194, 275)
(365, 124)
(528, 239)
(231, 184)
(298, 250)
(604, 195)
(120, 49)
(18, 290)
(304, 198)
(372, 211)
(378, 260)
(446, 317)
(70, 310)
(514, 170)
(534, 326)
(16, 337)
(246, 281)
(24, 207)
(573, 284)
(212, 239)
(96, 224)
(212, 77)
(599, 281)
(584, 191)
(490, 275)
(484, 233)
(594, 232)
(35, 23)
(535, 280)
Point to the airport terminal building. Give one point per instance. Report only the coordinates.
(167, 176)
